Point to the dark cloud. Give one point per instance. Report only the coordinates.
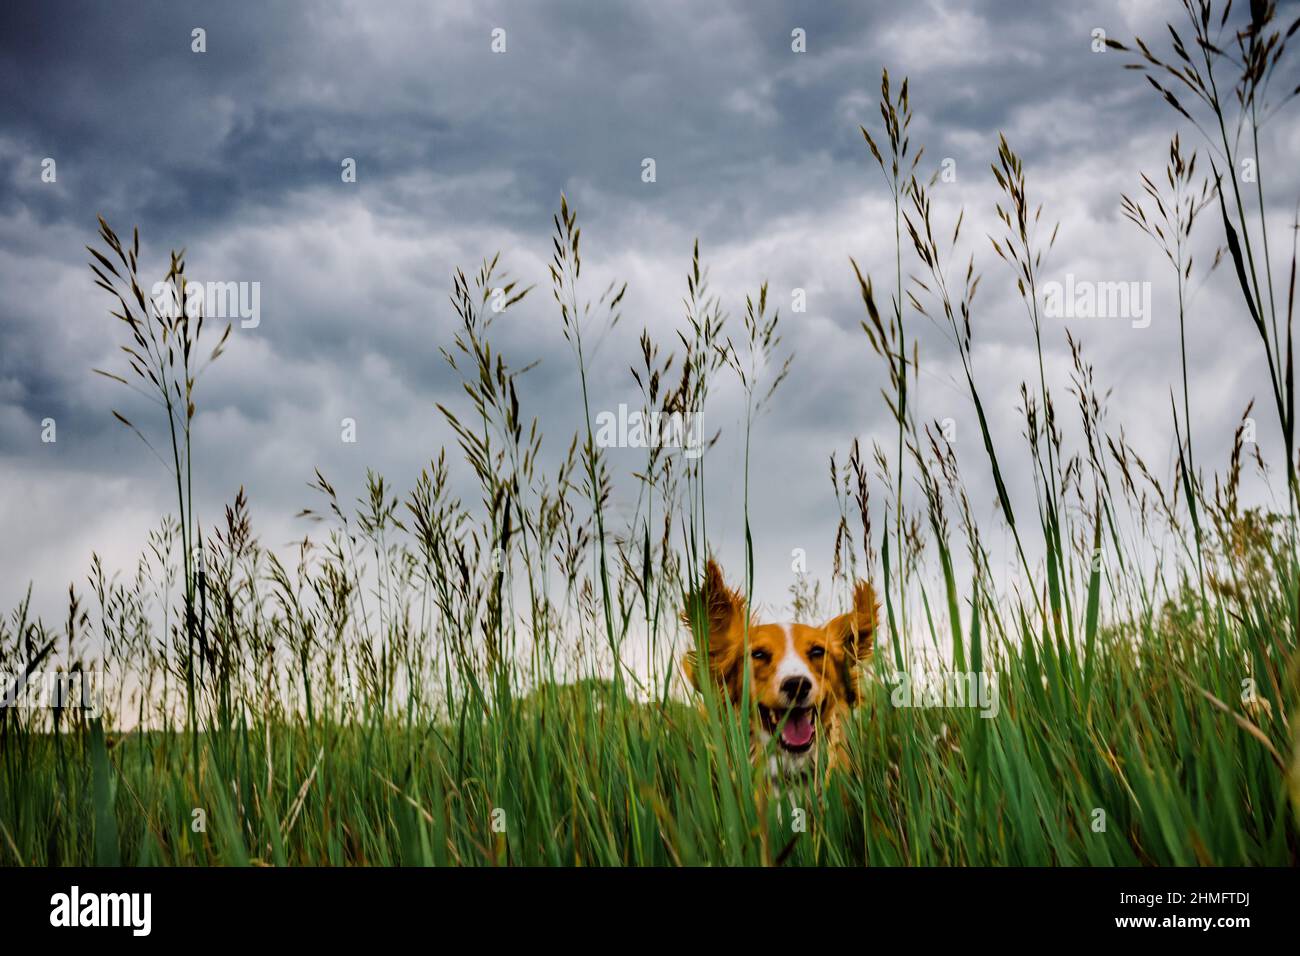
(235, 154)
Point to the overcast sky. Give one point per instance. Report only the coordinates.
(235, 153)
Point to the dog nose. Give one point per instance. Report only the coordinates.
(796, 689)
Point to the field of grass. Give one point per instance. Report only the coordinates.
(434, 681)
(580, 776)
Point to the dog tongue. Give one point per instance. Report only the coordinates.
(798, 729)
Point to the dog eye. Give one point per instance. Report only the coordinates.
(816, 652)
(761, 656)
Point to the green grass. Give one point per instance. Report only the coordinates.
(436, 681)
(586, 777)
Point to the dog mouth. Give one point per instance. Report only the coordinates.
(794, 728)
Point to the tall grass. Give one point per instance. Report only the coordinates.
(432, 680)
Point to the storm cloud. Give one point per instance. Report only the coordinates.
(235, 153)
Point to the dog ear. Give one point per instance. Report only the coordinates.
(714, 613)
(856, 631)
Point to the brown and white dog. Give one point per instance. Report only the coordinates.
(803, 679)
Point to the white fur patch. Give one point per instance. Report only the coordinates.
(781, 762)
(792, 663)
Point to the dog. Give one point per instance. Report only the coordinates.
(803, 680)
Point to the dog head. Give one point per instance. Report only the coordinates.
(802, 677)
